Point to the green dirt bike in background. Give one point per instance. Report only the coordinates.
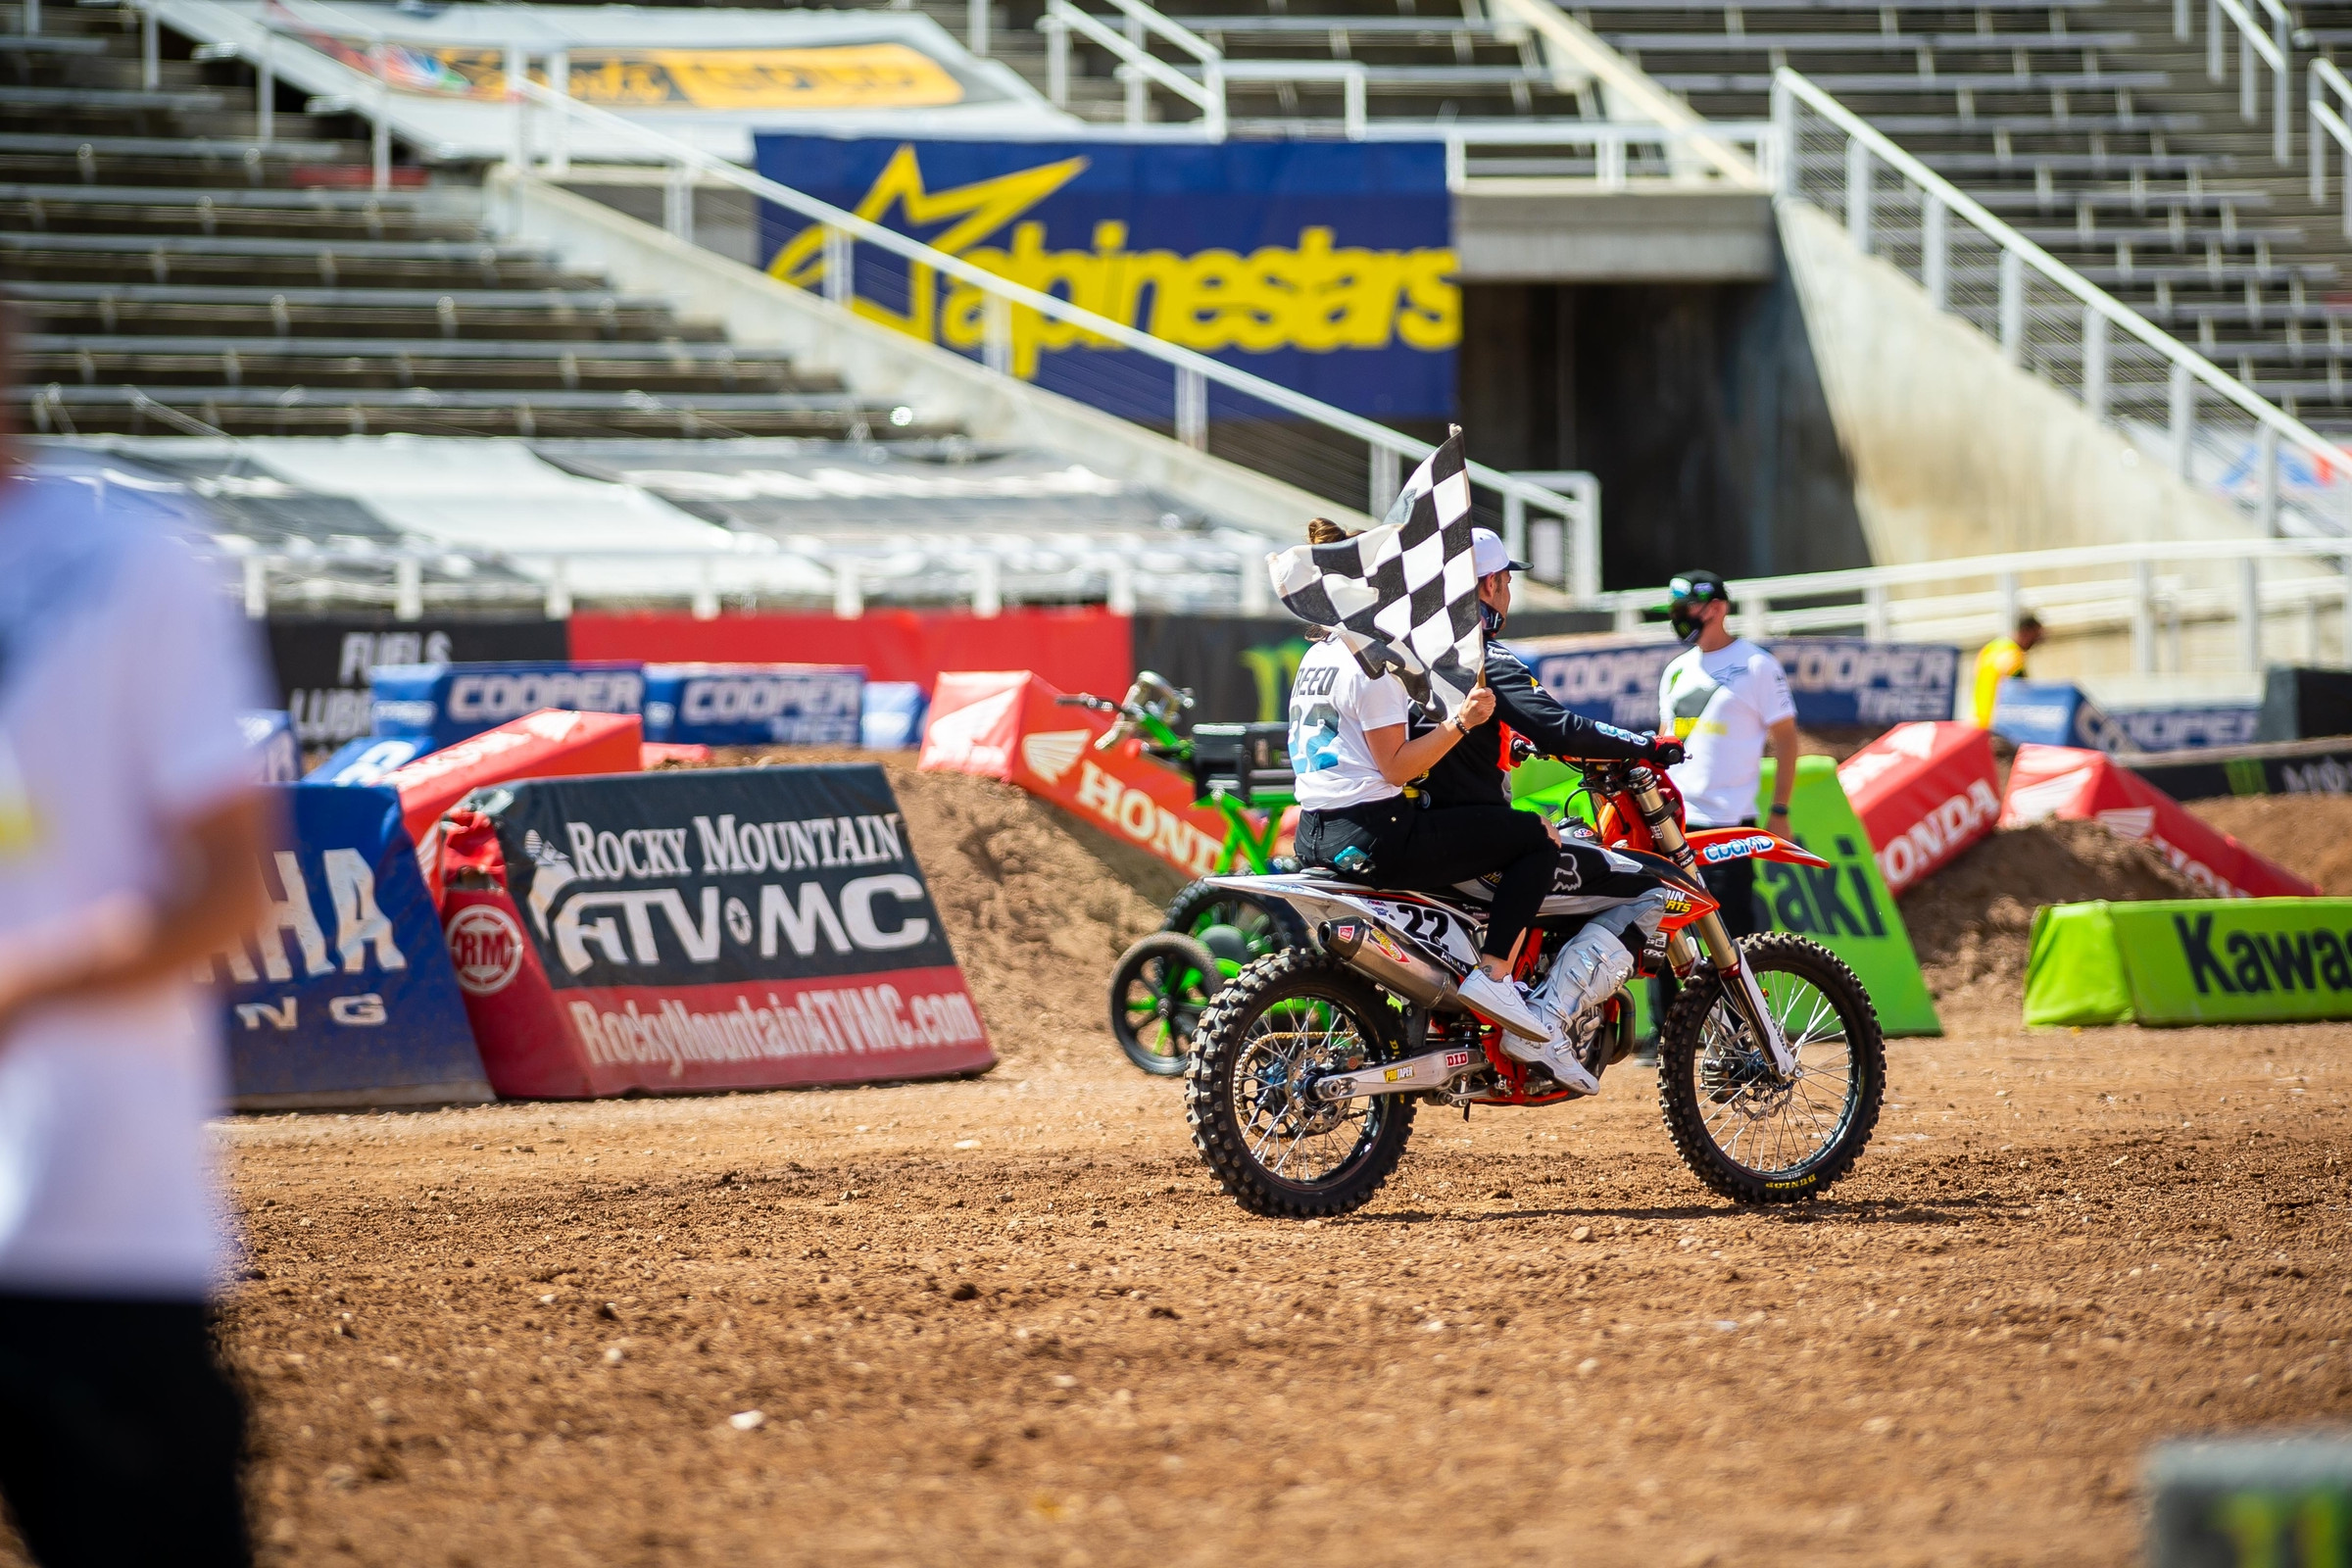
(1209, 933)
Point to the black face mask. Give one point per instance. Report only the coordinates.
(1489, 617)
(1684, 619)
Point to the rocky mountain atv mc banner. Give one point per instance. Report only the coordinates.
(719, 928)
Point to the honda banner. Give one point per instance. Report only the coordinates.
(1006, 724)
(443, 704)
(719, 928)
(344, 994)
(1925, 793)
(2047, 781)
(1837, 681)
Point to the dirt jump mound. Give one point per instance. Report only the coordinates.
(1972, 922)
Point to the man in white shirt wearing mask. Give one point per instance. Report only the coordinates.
(1726, 700)
(130, 846)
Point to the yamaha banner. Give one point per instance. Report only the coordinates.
(1326, 267)
(1837, 681)
(344, 995)
(701, 929)
(443, 704)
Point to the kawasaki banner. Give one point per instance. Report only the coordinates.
(1846, 907)
(2189, 960)
(1326, 267)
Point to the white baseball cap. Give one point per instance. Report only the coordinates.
(1488, 555)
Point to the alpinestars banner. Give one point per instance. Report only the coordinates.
(1401, 597)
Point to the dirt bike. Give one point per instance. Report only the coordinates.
(1210, 931)
(1308, 1066)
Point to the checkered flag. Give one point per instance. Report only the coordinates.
(1401, 597)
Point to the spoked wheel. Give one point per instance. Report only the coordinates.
(1284, 1022)
(1741, 1129)
(1156, 996)
(1237, 928)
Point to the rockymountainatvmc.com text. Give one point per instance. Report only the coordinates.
(849, 1020)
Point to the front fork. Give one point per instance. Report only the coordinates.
(1747, 995)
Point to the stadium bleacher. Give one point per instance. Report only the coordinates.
(175, 272)
(2087, 123)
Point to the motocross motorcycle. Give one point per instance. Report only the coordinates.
(1309, 1064)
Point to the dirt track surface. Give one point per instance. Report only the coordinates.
(1014, 1320)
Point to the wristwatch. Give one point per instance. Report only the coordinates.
(1779, 811)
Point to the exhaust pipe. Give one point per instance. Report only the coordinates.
(1373, 950)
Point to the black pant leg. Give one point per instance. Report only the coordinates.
(120, 1439)
(1454, 842)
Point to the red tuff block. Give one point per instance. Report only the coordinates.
(2047, 781)
(551, 742)
(1925, 793)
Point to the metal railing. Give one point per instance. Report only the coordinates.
(2074, 592)
(1698, 149)
(2254, 43)
(2328, 99)
(2206, 424)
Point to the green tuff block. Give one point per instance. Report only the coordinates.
(2075, 969)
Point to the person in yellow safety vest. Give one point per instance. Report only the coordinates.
(2003, 659)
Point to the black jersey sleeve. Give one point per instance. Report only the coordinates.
(1523, 703)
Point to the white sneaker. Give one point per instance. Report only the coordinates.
(1503, 1002)
(1560, 1059)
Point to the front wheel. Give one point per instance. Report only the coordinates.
(1747, 1134)
(1156, 996)
(1276, 1028)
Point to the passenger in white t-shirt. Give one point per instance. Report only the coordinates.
(1353, 754)
(1725, 701)
(131, 842)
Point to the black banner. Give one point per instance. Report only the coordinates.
(2300, 704)
(322, 664)
(2297, 767)
(1239, 668)
(718, 875)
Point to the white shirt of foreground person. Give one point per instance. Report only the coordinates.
(1722, 705)
(1332, 702)
(121, 670)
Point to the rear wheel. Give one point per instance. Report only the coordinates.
(1236, 927)
(1157, 994)
(1746, 1133)
(1281, 1024)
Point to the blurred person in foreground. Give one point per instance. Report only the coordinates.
(130, 839)
(2002, 659)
